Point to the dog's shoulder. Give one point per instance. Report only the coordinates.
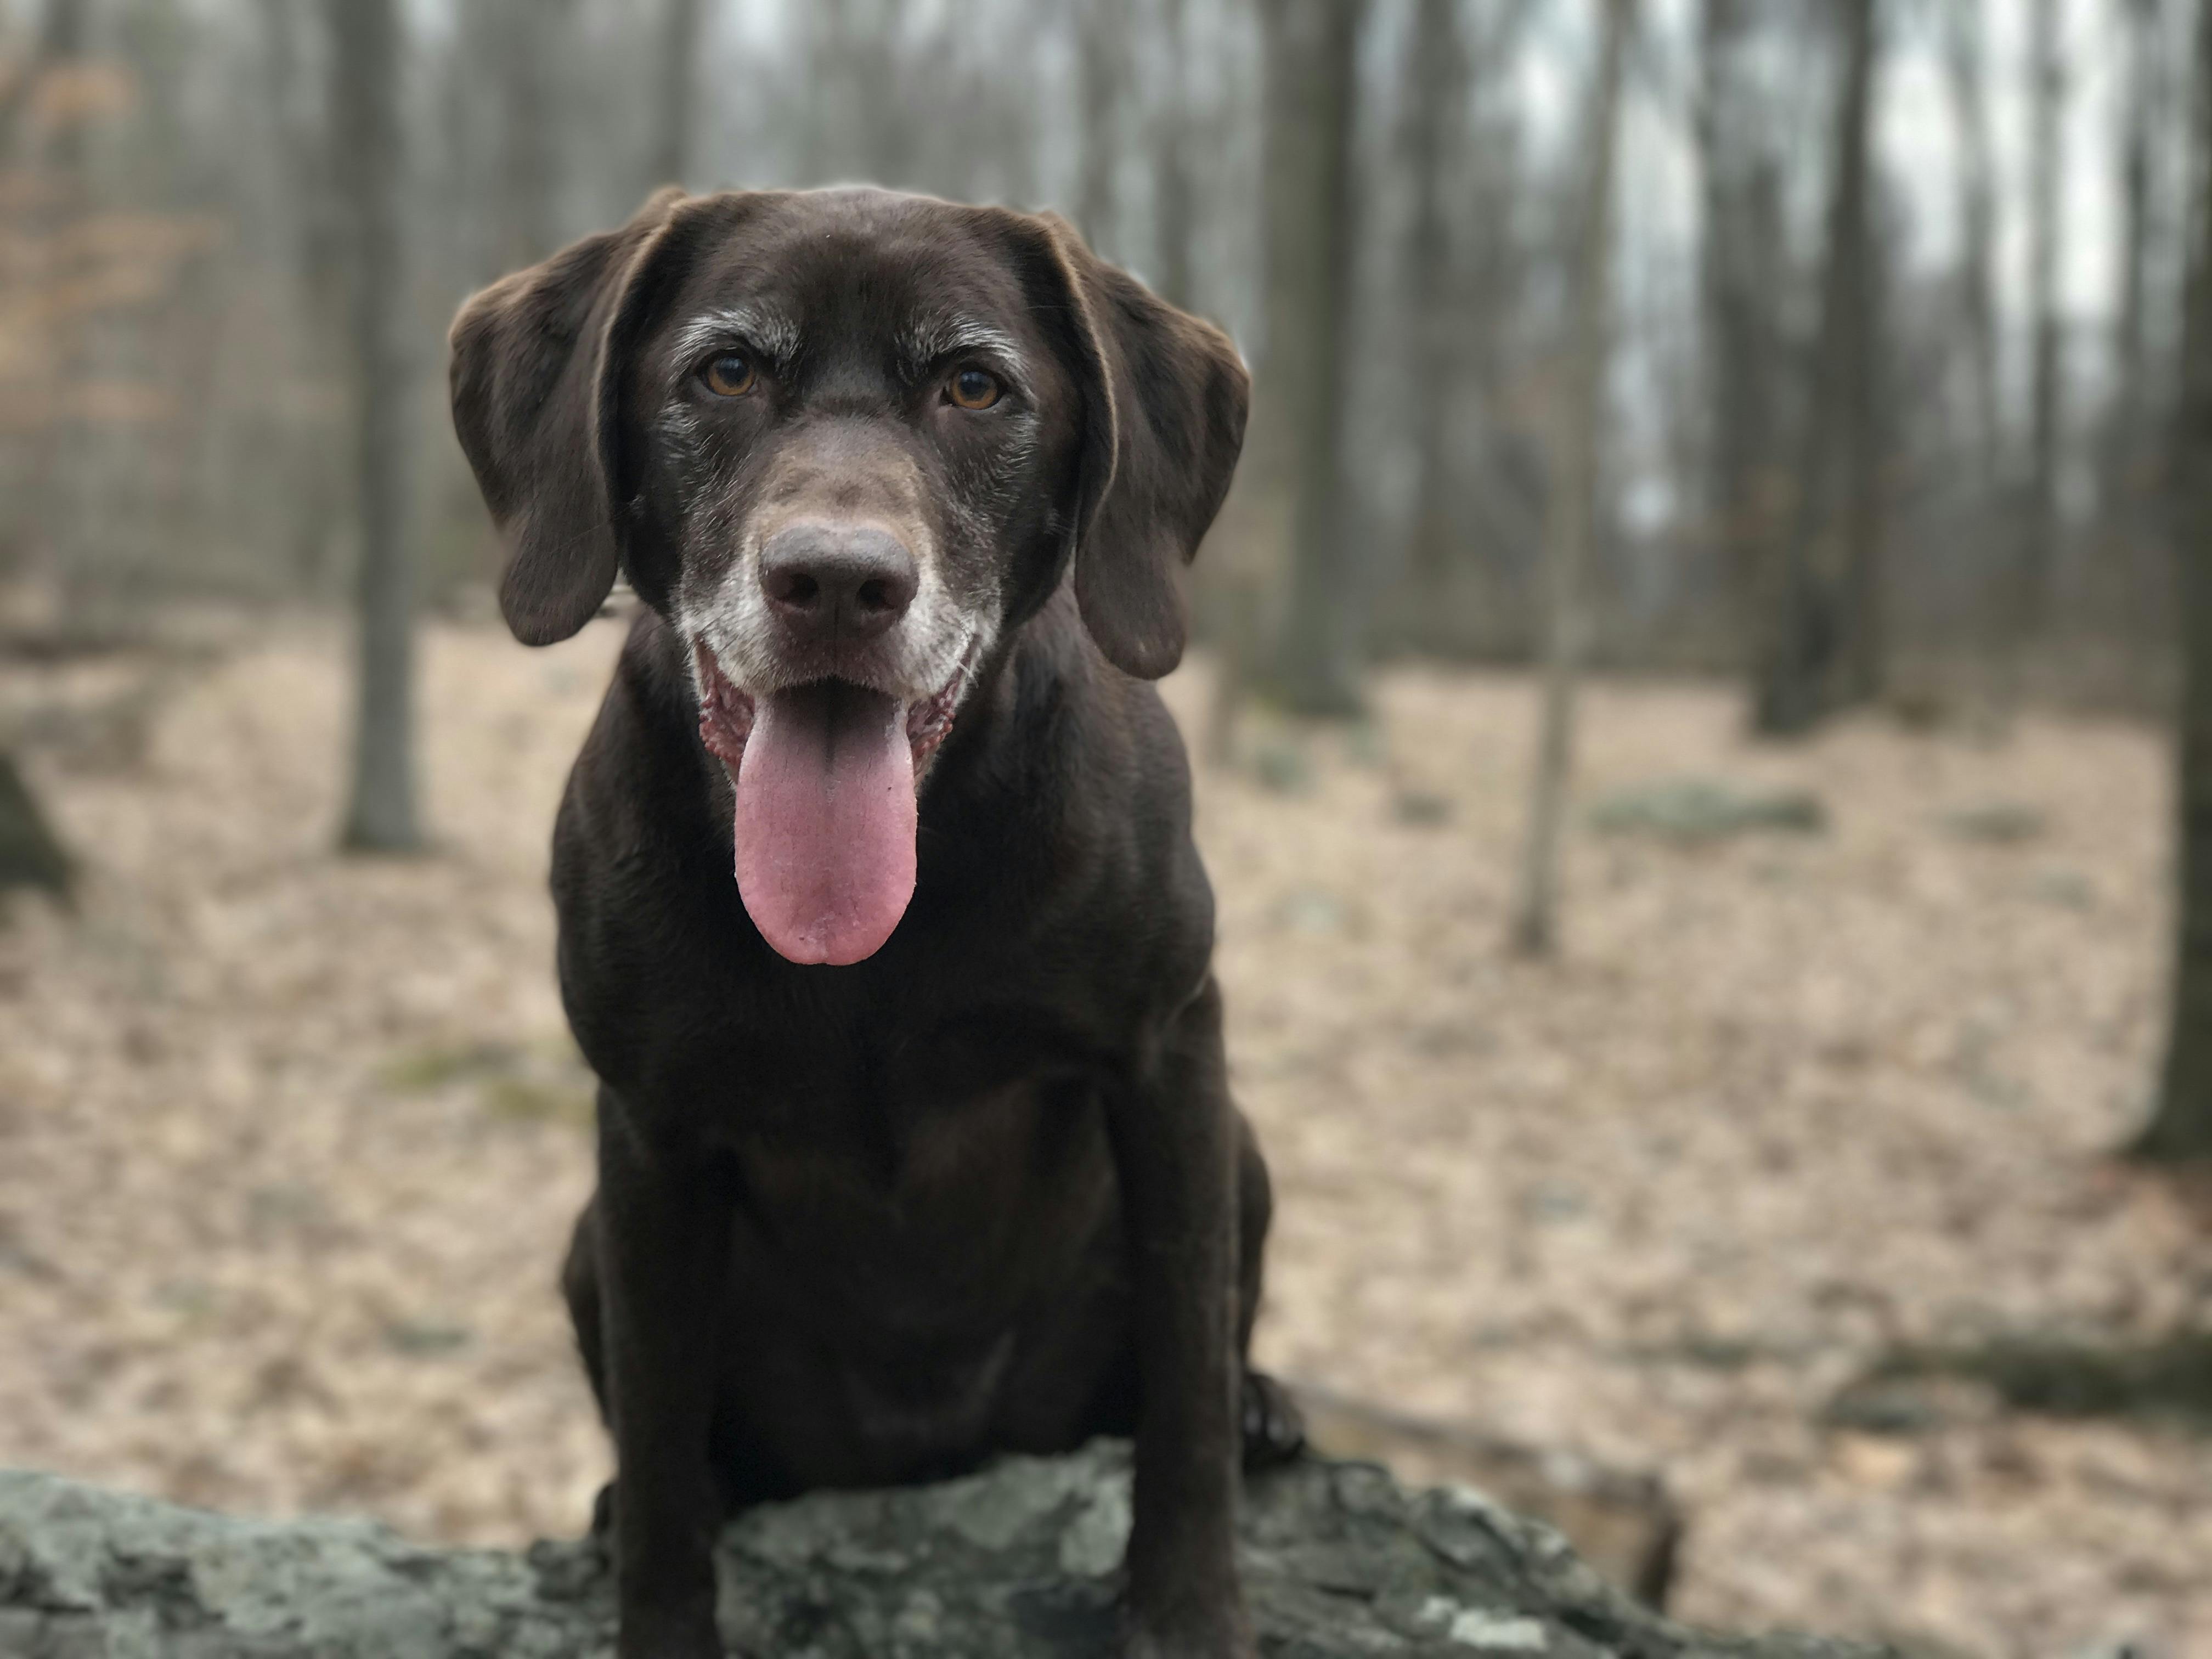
(635, 815)
(1095, 806)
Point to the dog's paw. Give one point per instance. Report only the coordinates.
(1230, 1643)
(1274, 1427)
(1231, 1640)
(690, 1638)
(1199, 1623)
(672, 1625)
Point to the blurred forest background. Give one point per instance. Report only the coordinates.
(1828, 380)
(1898, 286)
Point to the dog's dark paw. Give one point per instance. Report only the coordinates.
(670, 1638)
(1274, 1427)
(1192, 1610)
(1232, 1639)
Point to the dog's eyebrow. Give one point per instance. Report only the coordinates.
(767, 331)
(923, 343)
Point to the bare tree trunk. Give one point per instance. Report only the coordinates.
(1571, 513)
(30, 853)
(680, 29)
(1104, 75)
(1794, 685)
(2181, 1128)
(1966, 60)
(1977, 228)
(303, 132)
(1312, 77)
(1439, 71)
(1863, 669)
(2140, 107)
(858, 122)
(530, 33)
(2129, 461)
(51, 488)
(1738, 280)
(366, 65)
(2039, 492)
(1173, 209)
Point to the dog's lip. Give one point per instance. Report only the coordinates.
(929, 719)
(727, 711)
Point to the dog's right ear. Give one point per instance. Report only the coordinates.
(528, 353)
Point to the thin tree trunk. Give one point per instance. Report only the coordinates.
(31, 855)
(680, 31)
(302, 130)
(1966, 60)
(1439, 71)
(2140, 108)
(2181, 1128)
(856, 116)
(1571, 515)
(366, 109)
(2128, 462)
(530, 35)
(2039, 492)
(1737, 280)
(1795, 688)
(1173, 204)
(1865, 665)
(1313, 48)
(1977, 229)
(1103, 76)
(53, 487)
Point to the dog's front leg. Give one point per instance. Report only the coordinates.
(1174, 1148)
(664, 1251)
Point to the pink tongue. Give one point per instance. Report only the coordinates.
(825, 822)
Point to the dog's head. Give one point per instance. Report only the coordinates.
(844, 441)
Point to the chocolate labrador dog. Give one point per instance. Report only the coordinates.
(915, 1143)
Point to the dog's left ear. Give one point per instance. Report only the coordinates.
(1164, 397)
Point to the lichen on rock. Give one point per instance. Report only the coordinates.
(1017, 1562)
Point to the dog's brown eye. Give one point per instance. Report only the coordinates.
(971, 388)
(730, 375)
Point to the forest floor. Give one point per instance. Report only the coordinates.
(290, 1144)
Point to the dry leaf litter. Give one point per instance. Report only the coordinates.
(289, 1144)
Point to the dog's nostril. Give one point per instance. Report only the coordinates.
(873, 596)
(794, 588)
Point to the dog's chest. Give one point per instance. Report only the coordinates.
(940, 1213)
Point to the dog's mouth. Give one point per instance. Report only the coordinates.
(824, 776)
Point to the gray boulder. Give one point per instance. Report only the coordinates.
(1019, 1560)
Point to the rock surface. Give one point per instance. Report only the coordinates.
(1020, 1560)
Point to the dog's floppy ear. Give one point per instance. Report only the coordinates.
(528, 388)
(1164, 396)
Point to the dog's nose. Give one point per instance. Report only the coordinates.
(837, 581)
